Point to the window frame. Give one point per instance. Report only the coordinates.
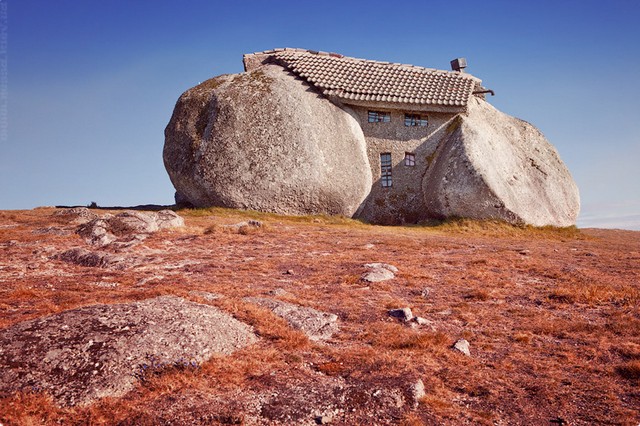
(378, 116)
(410, 159)
(386, 167)
(415, 120)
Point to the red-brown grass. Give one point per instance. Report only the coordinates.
(551, 314)
(629, 370)
(266, 324)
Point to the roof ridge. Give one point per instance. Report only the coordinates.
(353, 58)
(296, 49)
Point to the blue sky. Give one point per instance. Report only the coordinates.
(92, 84)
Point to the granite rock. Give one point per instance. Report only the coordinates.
(97, 351)
(317, 325)
(494, 166)
(265, 140)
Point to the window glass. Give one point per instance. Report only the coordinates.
(385, 169)
(411, 120)
(379, 117)
(409, 159)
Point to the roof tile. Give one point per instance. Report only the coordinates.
(361, 79)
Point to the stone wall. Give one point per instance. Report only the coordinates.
(403, 202)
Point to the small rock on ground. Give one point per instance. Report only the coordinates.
(422, 321)
(417, 390)
(246, 224)
(96, 232)
(280, 292)
(105, 284)
(315, 324)
(82, 257)
(379, 272)
(206, 295)
(127, 225)
(78, 215)
(463, 346)
(381, 266)
(378, 276)
(324, 420)
(404, 314)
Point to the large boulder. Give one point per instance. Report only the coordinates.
(494, 166)
(102, 350)
(265, 140)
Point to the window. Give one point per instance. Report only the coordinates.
(409, 159)
(385, 169)
(411, 120)
(379, 117)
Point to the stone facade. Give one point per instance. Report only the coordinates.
(403, 201)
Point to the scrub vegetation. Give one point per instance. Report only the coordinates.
(552, 317)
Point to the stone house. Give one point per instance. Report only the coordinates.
(403, 111)
(307, 132)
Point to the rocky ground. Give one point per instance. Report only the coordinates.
(134, 318)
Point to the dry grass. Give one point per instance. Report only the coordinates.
(498, 228)
(552, 316)
(597, 294)
(412, 419)
(525, 338)
(629, 370)
(225, 213)
(29, 409)
(399, 336)
(478, 294)
(267, 325)
(242, 229)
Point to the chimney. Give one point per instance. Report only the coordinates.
(459, 64)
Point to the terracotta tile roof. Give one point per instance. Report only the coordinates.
(365, 80)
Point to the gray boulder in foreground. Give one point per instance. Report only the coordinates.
(97, 351)
(317, 325)
(102, 231)
(266, 141)
(494, 166)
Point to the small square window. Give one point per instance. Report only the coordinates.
(412, 120)
(409, 159)
(379, 117)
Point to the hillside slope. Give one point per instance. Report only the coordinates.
(551, 315)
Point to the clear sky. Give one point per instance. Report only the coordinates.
(91, 84)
